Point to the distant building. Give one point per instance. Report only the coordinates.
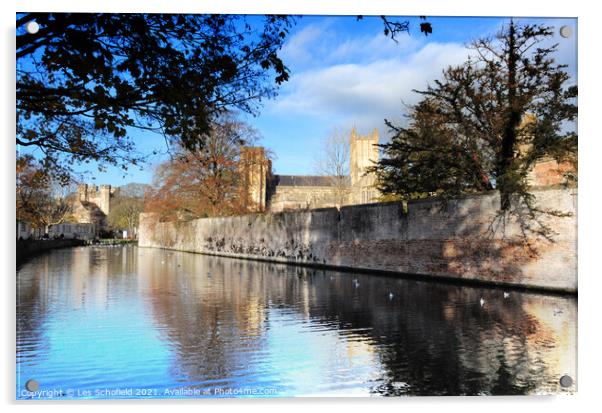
(267, 192)
(93, 205)
(72, 230)
(264, 191)
(549, 172)
(64, 230)
(26, 231)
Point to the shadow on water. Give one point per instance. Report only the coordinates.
(172, 319)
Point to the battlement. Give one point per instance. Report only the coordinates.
(370, 137)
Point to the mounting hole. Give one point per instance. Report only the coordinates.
(32, 385)
(566, 31)
(566, 381)
(32, 27)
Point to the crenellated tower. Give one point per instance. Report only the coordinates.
(93, 204)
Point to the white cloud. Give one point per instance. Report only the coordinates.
(362, 80)
(303, 46)
(377, 46)
(365, 94)
(321, 43)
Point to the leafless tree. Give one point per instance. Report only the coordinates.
(332, 160)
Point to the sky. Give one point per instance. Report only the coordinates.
(346, 73)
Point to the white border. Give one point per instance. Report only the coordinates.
(589, 186)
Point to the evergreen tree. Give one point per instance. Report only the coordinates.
(486, 123)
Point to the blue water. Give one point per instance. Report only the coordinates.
(123, 322)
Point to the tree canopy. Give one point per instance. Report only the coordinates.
(84, 79)
(486, 123)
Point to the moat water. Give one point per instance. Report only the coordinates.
(112, 322)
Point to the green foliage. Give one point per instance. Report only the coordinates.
(485, 123)
(83, 80)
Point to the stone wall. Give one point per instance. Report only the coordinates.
(286, 198)
(461, 241)
(84, 231)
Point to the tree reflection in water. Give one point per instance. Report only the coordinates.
(218, 322)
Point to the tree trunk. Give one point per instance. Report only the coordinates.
(513, 115)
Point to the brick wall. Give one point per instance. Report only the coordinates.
(463, 240)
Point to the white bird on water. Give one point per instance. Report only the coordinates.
(506, 295)
(482, 301)
(391, 296)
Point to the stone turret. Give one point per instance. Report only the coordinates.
(255, 170)
(104, 199)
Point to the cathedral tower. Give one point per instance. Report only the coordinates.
(363, 154)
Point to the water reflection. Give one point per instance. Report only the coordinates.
(122, 318)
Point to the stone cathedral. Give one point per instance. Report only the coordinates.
(275, 193)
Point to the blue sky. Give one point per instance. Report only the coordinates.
(346, 73)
